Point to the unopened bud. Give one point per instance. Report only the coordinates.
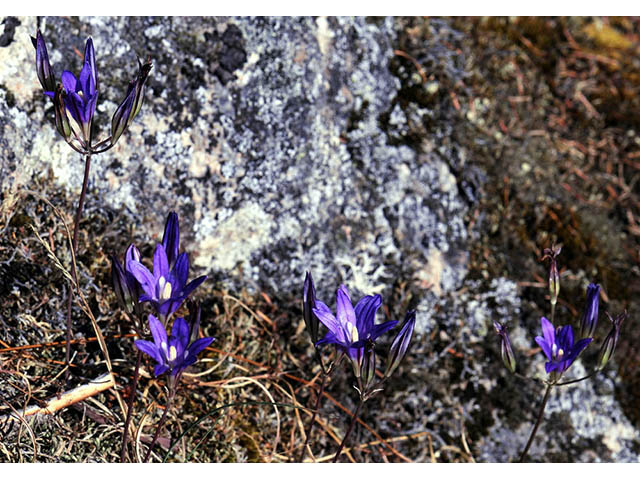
(193, 320)
(121, 286)
(506, 351)
(368, 368)
(609, 345)
(62, 120)
(401, 343)
(309, 303)
(590, 316)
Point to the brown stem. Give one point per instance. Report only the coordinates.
(159, 427)
(313, 418)
(134, 385)
(76, 228)
(353, 422)
(538, 421)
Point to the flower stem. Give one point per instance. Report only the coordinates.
(159, 427)
(353, 422)
(76, 227)
(313, 418)
(538, 421)
(134, 386)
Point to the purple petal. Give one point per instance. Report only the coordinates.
(366, 310)
(144, 277)
(378, 330)
(160, 369)
(548, 331)
(150, 349)
(192, 286)
(330, 337)
(69, 81)
(199, 345)
(171, 237)
(565, 338)
(344, 308)
(546, 348)
(160, 263)
(180, 331)
(181, 269)
(159, 333)
(90, 63)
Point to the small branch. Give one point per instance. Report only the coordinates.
(577, 380)
(78, 394)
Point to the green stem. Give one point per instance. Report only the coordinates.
(538, 421)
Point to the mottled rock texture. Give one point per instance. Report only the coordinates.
(290, 144)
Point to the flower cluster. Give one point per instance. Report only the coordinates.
(78, 97)
(165, 289)
(353, 332)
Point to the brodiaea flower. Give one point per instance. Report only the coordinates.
(558, 346)
(172, 353)
(351, 328)
(165, 288)
(80, 94)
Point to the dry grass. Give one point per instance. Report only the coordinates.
(244, 401)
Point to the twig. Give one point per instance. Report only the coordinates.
(100, 384)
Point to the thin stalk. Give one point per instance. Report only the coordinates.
(577, 379)
(134, 386)
(159, 427)
(538, 421)
(313, 418)
(353, 422)
(76, 228)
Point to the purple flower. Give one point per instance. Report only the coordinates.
(401, 343)
(351, 328)
(166, 288)
(590, 316)
(173, 353)
(80, 94)
(558, 346)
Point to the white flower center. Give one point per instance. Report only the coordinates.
(353, 331)
(172, 353)
(165, 289)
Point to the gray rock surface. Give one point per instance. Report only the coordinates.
(282, 145)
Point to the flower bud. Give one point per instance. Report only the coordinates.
(126, 297)
(43, 67)
(609, 345)
(62, 121)
(309, 303)
(193, 320)
(590, 316)
(508, 357)
(171, 238)
(368, 369)
(554, 277)
(130, 106)
(401, 343)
